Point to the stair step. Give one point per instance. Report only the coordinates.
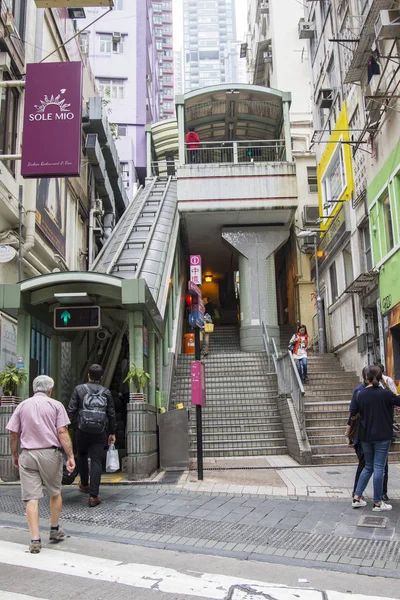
(269, 434)
(243, 451)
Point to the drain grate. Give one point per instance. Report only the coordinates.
(143, 518)
(372, 522)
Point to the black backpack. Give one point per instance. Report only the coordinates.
(93, 414)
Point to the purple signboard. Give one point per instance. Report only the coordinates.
(198, 375)
(51, 143)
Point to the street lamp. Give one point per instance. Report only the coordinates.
(320, 315)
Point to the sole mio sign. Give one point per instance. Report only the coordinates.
(51, 143)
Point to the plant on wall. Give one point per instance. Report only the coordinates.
(11, 378)
(138, 377)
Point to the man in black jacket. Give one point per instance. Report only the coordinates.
(92, 413)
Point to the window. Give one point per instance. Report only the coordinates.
(111, 43)
(19, 12)
(312, 180)
(334, 181)
(388, 224)
(348, 266)
(122, 130)
(118, 4)
(114, 88)
(333, 280)
(167, 105)
(8, 122)
(40, 352)
(125, 174)
(105, 43)
(84, 41)
(367, 248)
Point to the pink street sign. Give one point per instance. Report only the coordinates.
(51, 143)
(195, 260)
(192, 287)
(198, 375)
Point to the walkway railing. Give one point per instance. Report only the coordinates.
(237, 152)
(289, 382)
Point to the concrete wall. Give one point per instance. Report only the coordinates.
(263, 185)
(298, 449)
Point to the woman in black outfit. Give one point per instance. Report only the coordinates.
(375, 406)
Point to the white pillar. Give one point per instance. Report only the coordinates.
(287, 98)
(149, 172)
(180, 115)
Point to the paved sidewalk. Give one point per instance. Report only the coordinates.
(236, 520)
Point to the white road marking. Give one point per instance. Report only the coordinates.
(204, 585)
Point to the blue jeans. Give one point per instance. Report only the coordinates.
(301, 364)
(375, 454)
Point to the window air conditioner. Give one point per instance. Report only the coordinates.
(310, 215)
(264, 7)
(306, 29)
(387, 25)
(325, 98)
(10, 22)
(267, 57)
(116, 37)
(97, 205)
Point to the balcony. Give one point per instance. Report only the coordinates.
(237, 152)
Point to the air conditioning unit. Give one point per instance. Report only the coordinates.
(264, 7)
(387, 25)
(306, 29)
(10, 22)
(310, 215)
(97, 205)
(116, 37)
(5, 62)
(325, 98)
(267, 57)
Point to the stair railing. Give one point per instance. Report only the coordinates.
(289, 382)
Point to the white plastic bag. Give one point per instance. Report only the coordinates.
(112, 462)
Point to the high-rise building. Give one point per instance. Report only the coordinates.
(178, 71)
(162, 19)
(122, 51)
(209, 26)
(235, 67)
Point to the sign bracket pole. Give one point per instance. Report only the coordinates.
(199, 424)
(20, 205)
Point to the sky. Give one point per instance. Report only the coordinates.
(241, 21)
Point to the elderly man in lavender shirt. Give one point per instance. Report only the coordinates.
(40, 425)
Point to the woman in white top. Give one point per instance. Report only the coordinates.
(299, 342)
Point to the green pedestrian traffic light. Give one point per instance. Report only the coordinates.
(73, 318)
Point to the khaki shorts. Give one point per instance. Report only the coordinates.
(38, 468)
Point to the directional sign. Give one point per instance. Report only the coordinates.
(195, 268)
(72, 318)
(198, 305)
(194, 289)
(196, 319)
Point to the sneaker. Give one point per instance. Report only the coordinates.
(306, 380)
(381, 507)
(57, 535)
(35, 547)
(385, 497)
(84, 488)
(358, 503)
(94, 501)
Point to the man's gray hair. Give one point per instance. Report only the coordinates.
(43, 383)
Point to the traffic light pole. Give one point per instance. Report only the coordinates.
(199, 423)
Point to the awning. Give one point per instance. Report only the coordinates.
(362, 282)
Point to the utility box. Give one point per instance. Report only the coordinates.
(173, 428)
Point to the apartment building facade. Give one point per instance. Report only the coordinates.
(48, 225)
(209, 27)
(353, 57)
(122, 50)
(162, 18)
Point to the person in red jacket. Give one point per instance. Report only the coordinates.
(192, 145)
(299, 342)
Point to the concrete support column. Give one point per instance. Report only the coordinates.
(287, 129)
(148, 151)
(151, 389)
(170, 320)
(24, 348)
(256, 247)
(55, 364)
(135, 326)
(180, 115)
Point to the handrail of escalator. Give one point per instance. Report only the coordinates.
(152, 229)
(129, 230)
(116, 228)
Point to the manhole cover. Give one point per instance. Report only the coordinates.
(372, 522)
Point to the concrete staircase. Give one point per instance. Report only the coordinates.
(241, 417)
(327, 402)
